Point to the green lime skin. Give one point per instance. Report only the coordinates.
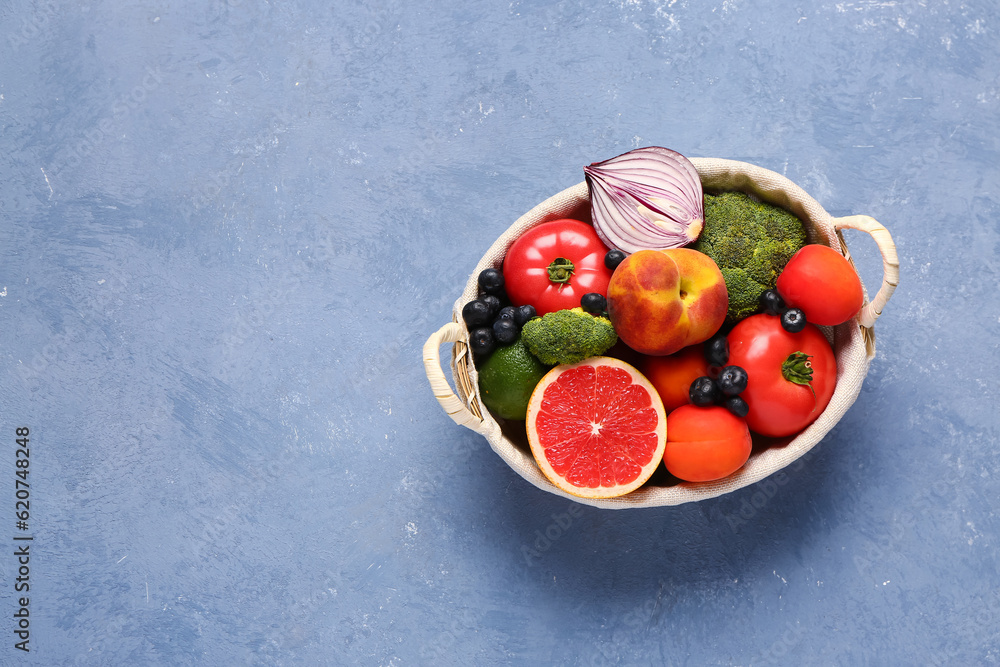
(507, 378)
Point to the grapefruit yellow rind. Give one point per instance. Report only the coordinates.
(538, 450)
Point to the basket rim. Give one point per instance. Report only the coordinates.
(853, 342)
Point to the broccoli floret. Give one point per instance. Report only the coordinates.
(751, 241)
(568, 336)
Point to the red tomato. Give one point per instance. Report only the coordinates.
(673, 374)
(821, 282)
(704, 444)
(773, 358)
(555, 263)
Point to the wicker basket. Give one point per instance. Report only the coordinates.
(853, 341)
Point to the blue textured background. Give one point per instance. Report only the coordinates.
(227, 228)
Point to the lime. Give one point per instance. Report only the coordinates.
(507, 378)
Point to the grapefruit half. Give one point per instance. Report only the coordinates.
(597, 428)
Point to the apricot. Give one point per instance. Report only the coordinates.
(673, 374)
(705, 444)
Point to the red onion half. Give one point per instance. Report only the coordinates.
(649, 198)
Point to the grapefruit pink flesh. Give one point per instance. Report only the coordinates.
(597, 428)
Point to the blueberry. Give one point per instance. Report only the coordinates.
(476, 314)
(703, 392)
(493, 302)
(737, 406)
(772, 303)
(732, 380)
(717, 350)
(793, 320)
(613, 258)
(491, 281)
(523, 314)
(593, 303)
(505, 331)
(481, 341)
(507, 313)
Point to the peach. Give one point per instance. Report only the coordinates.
(663, 300)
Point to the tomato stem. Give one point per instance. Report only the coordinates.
(798, 369)
(560, 270)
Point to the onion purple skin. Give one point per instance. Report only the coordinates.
(648, 198)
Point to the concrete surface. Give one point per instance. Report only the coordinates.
(227, 228)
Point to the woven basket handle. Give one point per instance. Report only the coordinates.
(890, 263)
(452, 404)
